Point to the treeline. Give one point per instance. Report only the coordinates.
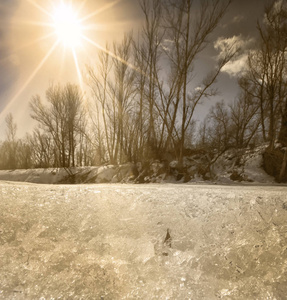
(145, 91)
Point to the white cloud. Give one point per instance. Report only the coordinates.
(234, 44)
(236, 66)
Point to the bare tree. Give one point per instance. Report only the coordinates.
(148, 55)
(187, 35)
(14, 153)
(11, 142)
(113, 88)
(267, 74)
(145, 106)
(219, 128)
(43, 152)
(24, 154)
(102, 108)
(61, 120)
(245, 120)
(252, 83)
(202, 134)
(123, 93)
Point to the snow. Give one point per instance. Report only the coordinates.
(246, 162)
(233, 166)
(106, 241)
(253, 169)
(34, 175)
(96, 174)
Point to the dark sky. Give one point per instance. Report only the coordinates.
(8, 73)
(22, 48)
(242, 17)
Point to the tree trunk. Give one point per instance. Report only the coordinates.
(283, 167)
(283, 130)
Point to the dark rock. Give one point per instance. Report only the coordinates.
(167, 240)
(236, 176)
(272, 163)
(186, 178)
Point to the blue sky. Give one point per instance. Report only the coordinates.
(20, 54)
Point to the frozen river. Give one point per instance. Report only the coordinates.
(107, 242)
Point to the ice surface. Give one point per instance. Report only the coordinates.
(106, 242)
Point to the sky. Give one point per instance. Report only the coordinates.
(30, 60)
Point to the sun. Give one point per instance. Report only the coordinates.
(67, 26)
(70, 30)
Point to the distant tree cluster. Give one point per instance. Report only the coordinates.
(14, 153)
(59, 140)
(145, 90)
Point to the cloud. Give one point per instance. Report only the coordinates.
(238, 19)
(236, 66)
(279, 7)
(237, 44)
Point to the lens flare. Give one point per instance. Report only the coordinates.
(67, 26)
(70, 29)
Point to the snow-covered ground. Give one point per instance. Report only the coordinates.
(107, 241)
(235, 165)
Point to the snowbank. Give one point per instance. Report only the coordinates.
(243, 165)
(102, 174)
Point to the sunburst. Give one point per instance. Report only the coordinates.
(70, 30)
(67, 26)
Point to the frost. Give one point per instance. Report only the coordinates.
(142, 242)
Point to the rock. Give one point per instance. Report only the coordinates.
(167, 240)
(236, 176)
(105, 174)
(272, 162)
(127, 172)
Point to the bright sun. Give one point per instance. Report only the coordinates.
(70, 30)
(67, 26)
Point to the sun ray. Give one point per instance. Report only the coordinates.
(35, 23)
(40, 8)
(31, 77)
(82, 5)
(62, 62)
(101, 27)
(62, 25)
(100, 10)
(95, 26)
(40, 39)
(114, 55)
(26, 46)
(78, 69)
